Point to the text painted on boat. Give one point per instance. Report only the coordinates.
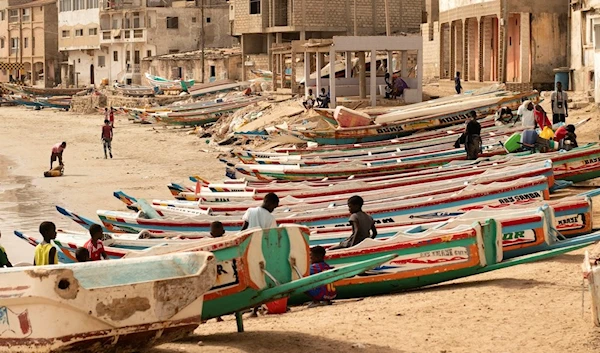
(522, 197)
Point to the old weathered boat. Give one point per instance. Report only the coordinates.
(104, 306)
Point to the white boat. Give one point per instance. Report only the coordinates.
(111, 306)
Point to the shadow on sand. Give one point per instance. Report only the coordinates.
(268, 341)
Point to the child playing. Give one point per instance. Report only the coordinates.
(45, 253)
(94, 245)
(361, 224)
(3, 257)
(107, 136)
(82, 255)
(216, 229)
(324, 294)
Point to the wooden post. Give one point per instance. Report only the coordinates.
(239, 320)
(332, 94)
(373, 78)
(362, 75)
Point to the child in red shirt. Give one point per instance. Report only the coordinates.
(95, 246)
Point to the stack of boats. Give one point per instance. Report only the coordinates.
(439, 217)
(38, 98)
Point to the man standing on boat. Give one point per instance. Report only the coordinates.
(471, 137)
(57, 151)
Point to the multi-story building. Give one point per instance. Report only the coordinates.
(134, 29)
(261, 23)
(584, 46)
(512, 41)
(79, 41)
(28, 42)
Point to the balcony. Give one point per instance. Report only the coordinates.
(123, 36)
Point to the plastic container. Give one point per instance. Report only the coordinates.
(562, 75)
(512, 143)
(278, 306)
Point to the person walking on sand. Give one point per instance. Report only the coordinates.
(457, 85)
(107, 136)
(57, 152)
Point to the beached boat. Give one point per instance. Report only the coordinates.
(110, 306)
(255, 266)
(403, 127)
(437, 257)
(158, 81)
(46, 92)
(135, 90)
(501, 194)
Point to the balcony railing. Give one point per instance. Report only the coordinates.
(123, 35)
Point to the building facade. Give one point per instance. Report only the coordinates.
(511, 41)
(260, 23)
(29, 42)
(219, 64)
(131, 30)
(585, 46)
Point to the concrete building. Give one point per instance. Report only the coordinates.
(131, 30)
(29, 42)
(585, 46)
(79, 41)
(261, 23)
(510, 41)
(220, 64)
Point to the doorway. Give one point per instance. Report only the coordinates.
(92, 74)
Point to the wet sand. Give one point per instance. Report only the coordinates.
(529, 308)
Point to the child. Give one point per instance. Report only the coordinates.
(361, 224)
(309, 100)
(107, 136)
(324, 294)
(82, 255)
(3, 257)
(541, 119)
(94, 245)
(111, 117)
(45, 253)
(457, 85)
(57, 152)
(262, 217)
(216, 229)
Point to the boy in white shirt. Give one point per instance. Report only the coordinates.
(262, 217)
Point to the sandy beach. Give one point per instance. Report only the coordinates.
(539, 307)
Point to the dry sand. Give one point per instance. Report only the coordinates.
(529, 308)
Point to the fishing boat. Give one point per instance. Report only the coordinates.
(57, 102)
(123, 306)
(158, 81)
(135, 90)
(383, 130)
(433, 258)
(500, 194)
(45, 92)
(254, 267)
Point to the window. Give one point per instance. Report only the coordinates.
(65, 5)
(172, 22)
(193, 19)
(127, 56)
(101, 61)
(208, 20)
(92, 4)
(13, 16)
(148, 22)
(115, 55)
(136, 20)
(25, 42)
(149, 53)
(136, 57)
(2, 43)
(78, 5)
(213, 71)
(93, 31)
(14, 45)
(65, 34)
(26, 15)
(78, 32)
(254, 7)
(2, 15)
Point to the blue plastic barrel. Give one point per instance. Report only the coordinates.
(562, 75)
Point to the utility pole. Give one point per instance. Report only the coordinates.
(202, 39)
(387, 17)
(355, 23)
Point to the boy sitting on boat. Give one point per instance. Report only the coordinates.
(216, 229)
(261, 217)
(3, 257)
(45, 253)
(324, 294)
(361, 224)
(95, 245)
